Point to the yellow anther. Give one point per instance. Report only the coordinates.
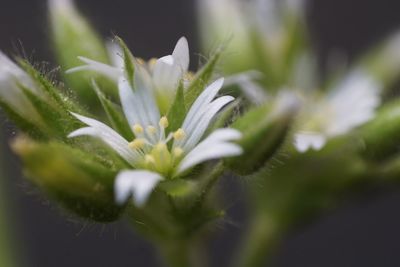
(138, 143)
(140, 61)
(151, 130)
(178, 152)
(149, 159)
(152, 62)
(179, 134)
(137, 129)
(164, 122)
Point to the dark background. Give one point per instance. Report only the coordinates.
(364, 231)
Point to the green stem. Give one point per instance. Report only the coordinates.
(183, 253)
(7, 246)
(261, 240)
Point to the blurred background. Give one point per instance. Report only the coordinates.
(363, 231)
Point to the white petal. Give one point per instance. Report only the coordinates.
(306, 140)
(195, 133)
(128, 102)
(145, 93)
(181, 54)
(353, 102)
(116, 55)
(201, 103)
(111, 72)
(139, 105)
(252, 91)
(107, 135)
(213, 147)
(224, 134)
(167, 74)
(138, 184)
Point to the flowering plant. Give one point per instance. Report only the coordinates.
(149, 140)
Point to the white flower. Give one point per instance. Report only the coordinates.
(165, 72)
(221, 19)
(150, 154)
(350, 104)
(12, 78)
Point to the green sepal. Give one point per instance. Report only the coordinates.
(226, 116)
(74, 178)
(178, 188)
(177, 112)
(48, 88)
(382, 134)
(129, 65)
(264, 130)
(202, 78)
(34, 131)
(114, 114)
(183, 203)
(58, 122)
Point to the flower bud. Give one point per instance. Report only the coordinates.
(221, 21)
(264, 130)
(383, 61)
(73, 37)
(72, 177)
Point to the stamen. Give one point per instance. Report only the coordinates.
(151, 130)
(138, 143)
(163, 122)
(137, 129)
(179, 134)
(178, 152)
(140, 61)
(152, 62)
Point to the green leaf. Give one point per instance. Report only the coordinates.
(202, 79)
(114, 114)
(177, 112)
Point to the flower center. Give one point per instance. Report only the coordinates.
(151, 143)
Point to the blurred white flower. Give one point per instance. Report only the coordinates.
(350, 104)
(150, 154)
